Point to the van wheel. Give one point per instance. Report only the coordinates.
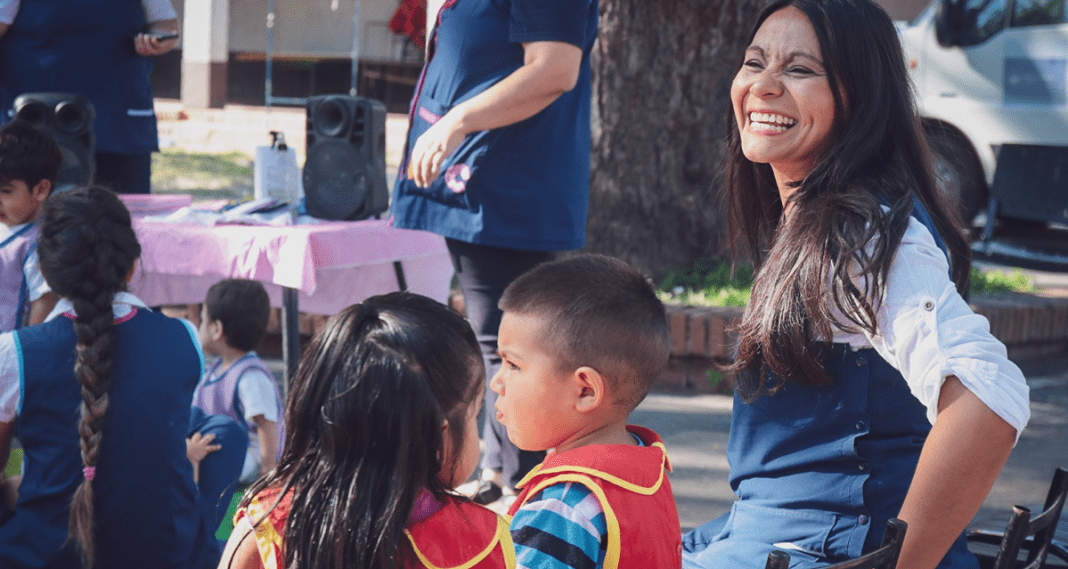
(958, 172)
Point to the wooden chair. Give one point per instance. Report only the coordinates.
(1026, 533)
(883, 558)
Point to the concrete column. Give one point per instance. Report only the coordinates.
(205, 51)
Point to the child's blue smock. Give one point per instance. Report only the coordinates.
(147, 510)
(819, 470)
(521, 186)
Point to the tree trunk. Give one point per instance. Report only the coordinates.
(662, 71)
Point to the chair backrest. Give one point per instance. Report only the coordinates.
(883, 558)
(1036, 531)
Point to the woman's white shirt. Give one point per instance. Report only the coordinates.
(11, 363)
(928, 332)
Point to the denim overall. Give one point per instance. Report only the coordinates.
(819, 470)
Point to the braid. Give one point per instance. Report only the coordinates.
(87, 247)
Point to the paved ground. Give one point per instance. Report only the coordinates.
(694, 427)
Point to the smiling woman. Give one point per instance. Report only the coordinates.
(782, 100)
(862, 374)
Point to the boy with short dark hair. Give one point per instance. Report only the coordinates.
(238, 384)
(582, 340)
(29, 162)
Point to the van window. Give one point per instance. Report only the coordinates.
(1037, 12)
(980, 20)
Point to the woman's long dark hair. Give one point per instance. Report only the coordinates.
(364, 419)
(837, 226)
(87, 247)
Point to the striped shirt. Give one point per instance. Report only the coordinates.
(560, 527)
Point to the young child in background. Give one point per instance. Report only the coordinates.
(238, 383)
(29, 163)
(581, 341)
(99, 397)
(382, 421)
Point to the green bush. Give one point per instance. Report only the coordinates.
(707, 283)
(710, 283)
(1000, 281)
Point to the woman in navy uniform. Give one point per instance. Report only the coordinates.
(866, 387)
(498, 161)
(99, 49)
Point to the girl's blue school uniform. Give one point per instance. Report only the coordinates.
(147, 509)
(819, 470)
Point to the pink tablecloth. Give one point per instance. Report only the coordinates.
(332, 264)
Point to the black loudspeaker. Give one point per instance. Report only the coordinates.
(69, 119)
(345, 169)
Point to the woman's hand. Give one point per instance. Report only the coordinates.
(549, 70)
(433, 147)
(149, 44)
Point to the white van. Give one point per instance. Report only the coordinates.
(988, 73)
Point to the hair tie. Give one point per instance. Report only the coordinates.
(89, 472)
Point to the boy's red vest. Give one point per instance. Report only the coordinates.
(455, 534)
(631, 484)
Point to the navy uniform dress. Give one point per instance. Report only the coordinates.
(148, 511)
(85, 47)
(819, 470)
(522, 186)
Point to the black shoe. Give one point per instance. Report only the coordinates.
(488, 492)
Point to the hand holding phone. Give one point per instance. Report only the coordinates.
(162, 36)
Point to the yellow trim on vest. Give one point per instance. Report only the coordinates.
(266, 535)
(538, 471)
(611, 556)
(502, 537)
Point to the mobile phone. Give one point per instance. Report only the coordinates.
(162, 36)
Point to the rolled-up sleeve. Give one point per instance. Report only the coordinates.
(10, 378)
(928, 332)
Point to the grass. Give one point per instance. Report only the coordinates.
(207, 176)
(711, 283)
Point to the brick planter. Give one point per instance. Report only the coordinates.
(1028, 325)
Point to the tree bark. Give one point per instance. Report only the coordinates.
(662, 71)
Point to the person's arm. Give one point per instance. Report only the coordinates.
(147, 45)
(42, 307)
(197, 447)
(961, 459)
(8, 10)
(267, 433)
(241, 551)
(549, 70)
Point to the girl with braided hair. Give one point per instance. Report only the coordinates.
(99, 396)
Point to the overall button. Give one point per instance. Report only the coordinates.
(862, 519)
(862, 466)
(862, 361)
(860, 425)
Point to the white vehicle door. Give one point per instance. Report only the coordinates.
(1035, 77)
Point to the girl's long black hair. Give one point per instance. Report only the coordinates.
(837, 227)
(364, 418)
(87, 247)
